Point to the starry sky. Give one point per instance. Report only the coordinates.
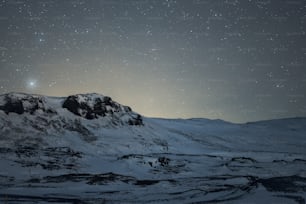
(237, 60)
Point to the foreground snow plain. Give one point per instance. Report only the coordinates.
(57, 156)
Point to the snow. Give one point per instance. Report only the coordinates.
(196, 160)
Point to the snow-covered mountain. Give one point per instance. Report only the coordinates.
(87, 148)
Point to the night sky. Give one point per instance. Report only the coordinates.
(237, 60)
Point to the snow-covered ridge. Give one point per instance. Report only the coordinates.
(83, 115)
(88, 106)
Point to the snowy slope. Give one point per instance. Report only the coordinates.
(87, 148)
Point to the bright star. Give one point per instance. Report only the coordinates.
(31, 84)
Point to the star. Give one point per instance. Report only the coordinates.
(31, 84)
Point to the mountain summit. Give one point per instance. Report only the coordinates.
(82, 114)
(88, 106)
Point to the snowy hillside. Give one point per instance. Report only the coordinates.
(89, 149)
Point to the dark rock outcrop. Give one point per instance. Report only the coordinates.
(94, 106)
(23, 103)
(12, 106)
(83, 109)
(136, 121)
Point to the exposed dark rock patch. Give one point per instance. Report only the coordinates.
(243, 160)
(297, 199)
(54, 157)
(43, 199)
(91, 179)
(146, 182)
(136, 121)
(96, 179)
(12, 106)
(164, 161)
(292, 184)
